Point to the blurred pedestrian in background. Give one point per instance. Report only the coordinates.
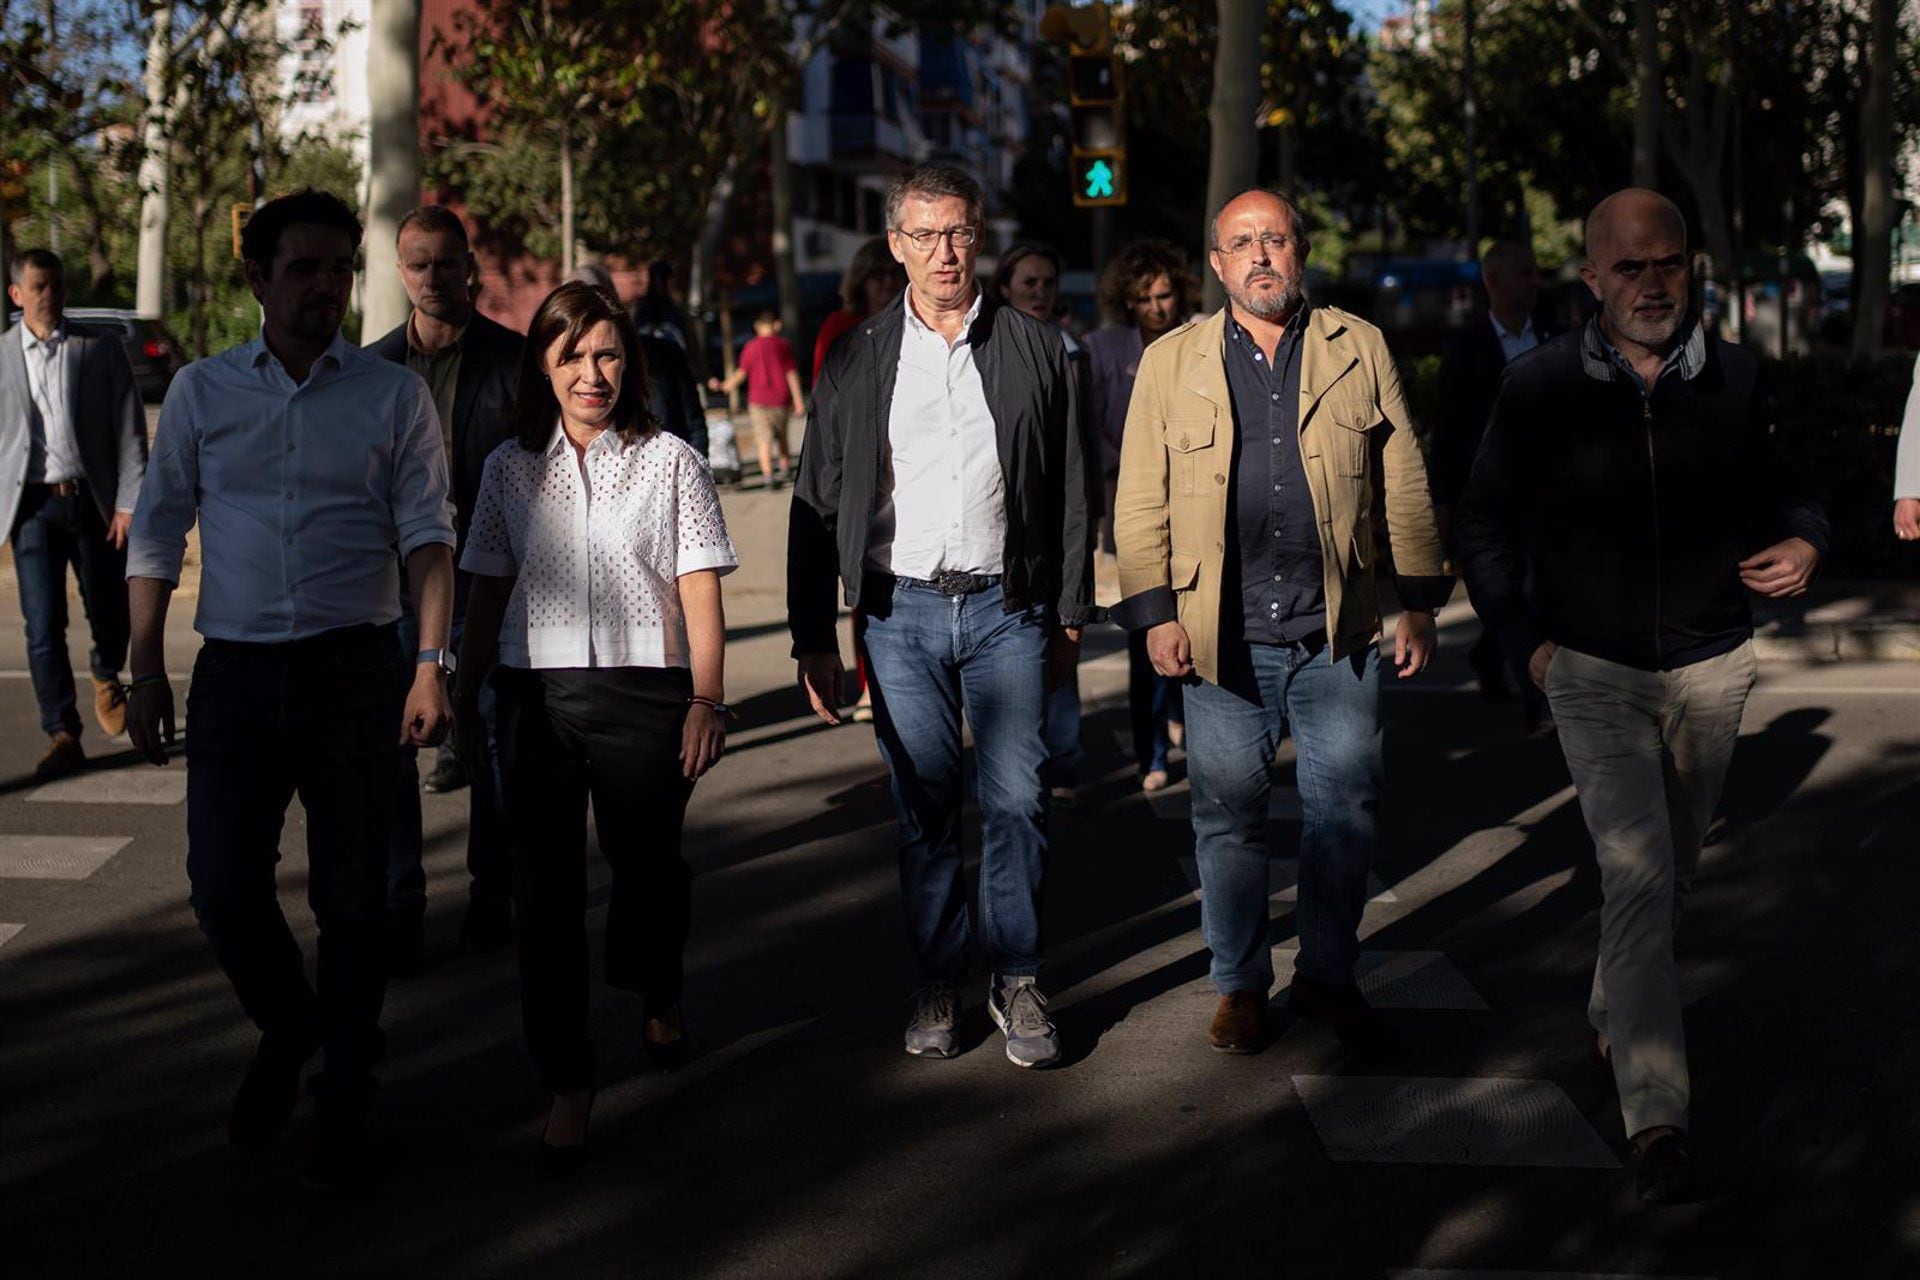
(597, 549)
(1145, 291)
(1263, 442)
(1475, 360)
(469, 364)
(873, 280)
(74, 438)
(306, 461)
(772, 374)
(1906, 468)
(1028, 280)
(1625, 500)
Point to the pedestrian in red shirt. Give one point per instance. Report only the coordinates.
(772, 374)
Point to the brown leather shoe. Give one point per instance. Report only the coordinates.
(1239, 1023)
(63, 757)
(110, 706)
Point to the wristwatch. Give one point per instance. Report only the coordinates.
(445, 659)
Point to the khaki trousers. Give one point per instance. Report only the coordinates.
(1648, 751)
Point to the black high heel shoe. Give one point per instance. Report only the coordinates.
(668, 1055)
(561, 1161)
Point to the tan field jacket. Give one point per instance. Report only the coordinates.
(1358, 450)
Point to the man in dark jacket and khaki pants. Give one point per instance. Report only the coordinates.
(1260, 444)
(947, 484)
(1624, 502)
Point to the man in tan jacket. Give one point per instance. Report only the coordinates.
(1259, 444)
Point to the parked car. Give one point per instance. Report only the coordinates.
(156, 355)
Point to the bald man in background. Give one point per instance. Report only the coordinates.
(1625, 501)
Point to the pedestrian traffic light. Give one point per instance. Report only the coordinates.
(1096, 100)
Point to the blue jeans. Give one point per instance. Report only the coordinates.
(51, 532)
(1152, 701)
(1064, 750)
(1233, 729)
(929, 658)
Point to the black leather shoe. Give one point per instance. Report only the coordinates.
(268, 1093)
(343, 1163)
(488, 924)
(447, 776)
(1342, 1007)
(1663, 1171)
(667, 1055)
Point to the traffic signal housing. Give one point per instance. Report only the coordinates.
(1096, 100)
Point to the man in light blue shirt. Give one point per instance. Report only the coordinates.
(306, 461)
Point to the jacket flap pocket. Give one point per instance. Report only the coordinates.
(1352, 409)
(1186, 435)
(1183, 571)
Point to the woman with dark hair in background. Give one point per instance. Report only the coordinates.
(873, 279)
(1146, 291)
(1028, 280)
(597, 547)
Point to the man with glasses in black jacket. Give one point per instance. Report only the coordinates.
(946, 482)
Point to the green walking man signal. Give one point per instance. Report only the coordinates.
(1099, 182)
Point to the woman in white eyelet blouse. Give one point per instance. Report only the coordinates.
(596, 548)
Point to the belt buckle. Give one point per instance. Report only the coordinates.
(953, 582)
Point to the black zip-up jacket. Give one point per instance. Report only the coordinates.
(1613, 522)
(1051, 502)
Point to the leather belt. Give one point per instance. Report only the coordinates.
(954, 582)
(62, 489)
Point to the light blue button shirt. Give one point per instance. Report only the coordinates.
(302, 491)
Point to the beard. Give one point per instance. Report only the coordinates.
(1653, 330)
(1276, 304)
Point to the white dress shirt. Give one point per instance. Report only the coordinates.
(55, 454)
(943, 499)
(302, 490)
(596, 544)
(1514, 345)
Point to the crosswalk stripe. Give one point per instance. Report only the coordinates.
(8, 932)
(1472, 1120)
(57, 857)
(1400, 979)
(140, 784)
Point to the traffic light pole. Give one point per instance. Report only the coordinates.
(1102, 241)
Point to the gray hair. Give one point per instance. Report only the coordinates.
(935, 182)
(1293, 210)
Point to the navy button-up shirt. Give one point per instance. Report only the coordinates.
(1278, 557)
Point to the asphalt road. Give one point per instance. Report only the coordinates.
(800, 1141)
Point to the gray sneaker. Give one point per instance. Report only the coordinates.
(936, 1012)
(1019, 1009)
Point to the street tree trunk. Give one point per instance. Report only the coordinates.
(566, 201)
(780, 183)
(393, 169)
(1649, 93)
(1232, 161)
(150, 292)
(1873, 234)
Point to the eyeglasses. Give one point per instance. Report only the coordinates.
(924, 241)
(1240, 246)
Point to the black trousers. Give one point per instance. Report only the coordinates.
(613, 736)
(319, 717)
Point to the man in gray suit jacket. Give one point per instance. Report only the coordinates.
(73, 447)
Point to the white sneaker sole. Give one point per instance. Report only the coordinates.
(1000, 1021)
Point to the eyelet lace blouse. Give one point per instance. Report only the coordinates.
(596, 547)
